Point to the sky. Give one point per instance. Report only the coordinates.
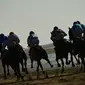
(40, 16)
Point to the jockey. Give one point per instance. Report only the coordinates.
(32, 39)
(77, 30)
(3, 38)
(12, 39)
(83, 26)
(57, 35)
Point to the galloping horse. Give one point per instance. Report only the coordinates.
(62, 48)
(23, 58)
(37, 54)
(12, 58)
(79, 47)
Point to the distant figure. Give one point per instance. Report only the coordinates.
(57, 35)
(32, 39)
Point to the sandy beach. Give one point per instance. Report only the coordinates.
(71, 76)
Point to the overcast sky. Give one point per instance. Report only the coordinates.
(22, 16)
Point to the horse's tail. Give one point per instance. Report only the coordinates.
(45, 55)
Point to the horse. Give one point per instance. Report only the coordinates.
(12, 58)
(2, 52)
(23, 62)
(24, 65)
(62, 52)
(62, 48)
(23, 58)
(72, 40)
(79, 47)
(36, 54)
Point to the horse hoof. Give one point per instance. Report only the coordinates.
(37, 78)
(73, 65)
(8, 73)
(59, 65)
(15, 74)
(46, 76)
(26, 72)
(22, 78)
(67, 63)
(51, 66)
(23, 70)
(30, 78)
(31, 66)
(18, 80)
(62, 71)
(78, 62)
(5, 78)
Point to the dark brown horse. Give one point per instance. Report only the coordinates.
(23, 60)
(12, 58)
(62, 48)
(37, 54)
(79, 47)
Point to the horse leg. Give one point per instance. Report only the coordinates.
(4, 67)
(25, 62)
(82, 63)
(8, 73)
(73, 65)
(62, 65)
(58, 62)
(45, 73)
(22, 65)
(78, 61)
(15, 71)
(67, 62)
(31, 63)
(24, 58)
(37, 69)
(49, 62)
(18, 71)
